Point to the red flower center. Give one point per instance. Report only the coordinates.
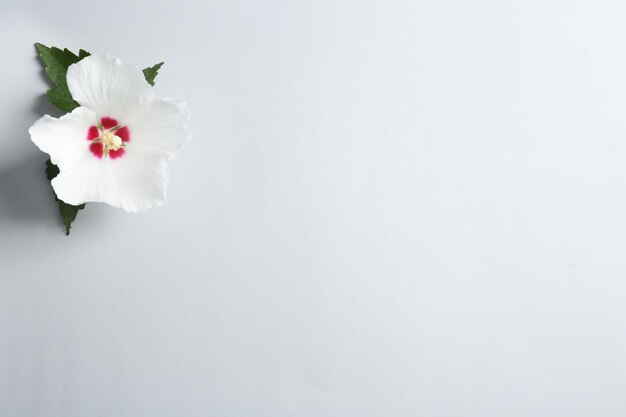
(108, 138)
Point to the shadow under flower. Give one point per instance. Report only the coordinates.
(26, 194)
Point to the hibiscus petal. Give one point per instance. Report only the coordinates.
(164, 125)
(65, 138)
(108, 86)
(135, 182)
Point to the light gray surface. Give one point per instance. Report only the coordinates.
(387, 209)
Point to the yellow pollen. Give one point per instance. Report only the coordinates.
(111, 141)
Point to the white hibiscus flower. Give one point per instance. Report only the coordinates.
(115, 147)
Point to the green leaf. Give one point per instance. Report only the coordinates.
(151, 72)
(68, 211)
(68, 214)
(62, 99)
(56, 61)
(51, 170)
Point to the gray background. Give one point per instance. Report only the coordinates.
(387, 209)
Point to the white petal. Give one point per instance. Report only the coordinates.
(163, 125)
(135, 182)
(65, 138)
(107, 85)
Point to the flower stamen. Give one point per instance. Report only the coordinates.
(108, 138)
